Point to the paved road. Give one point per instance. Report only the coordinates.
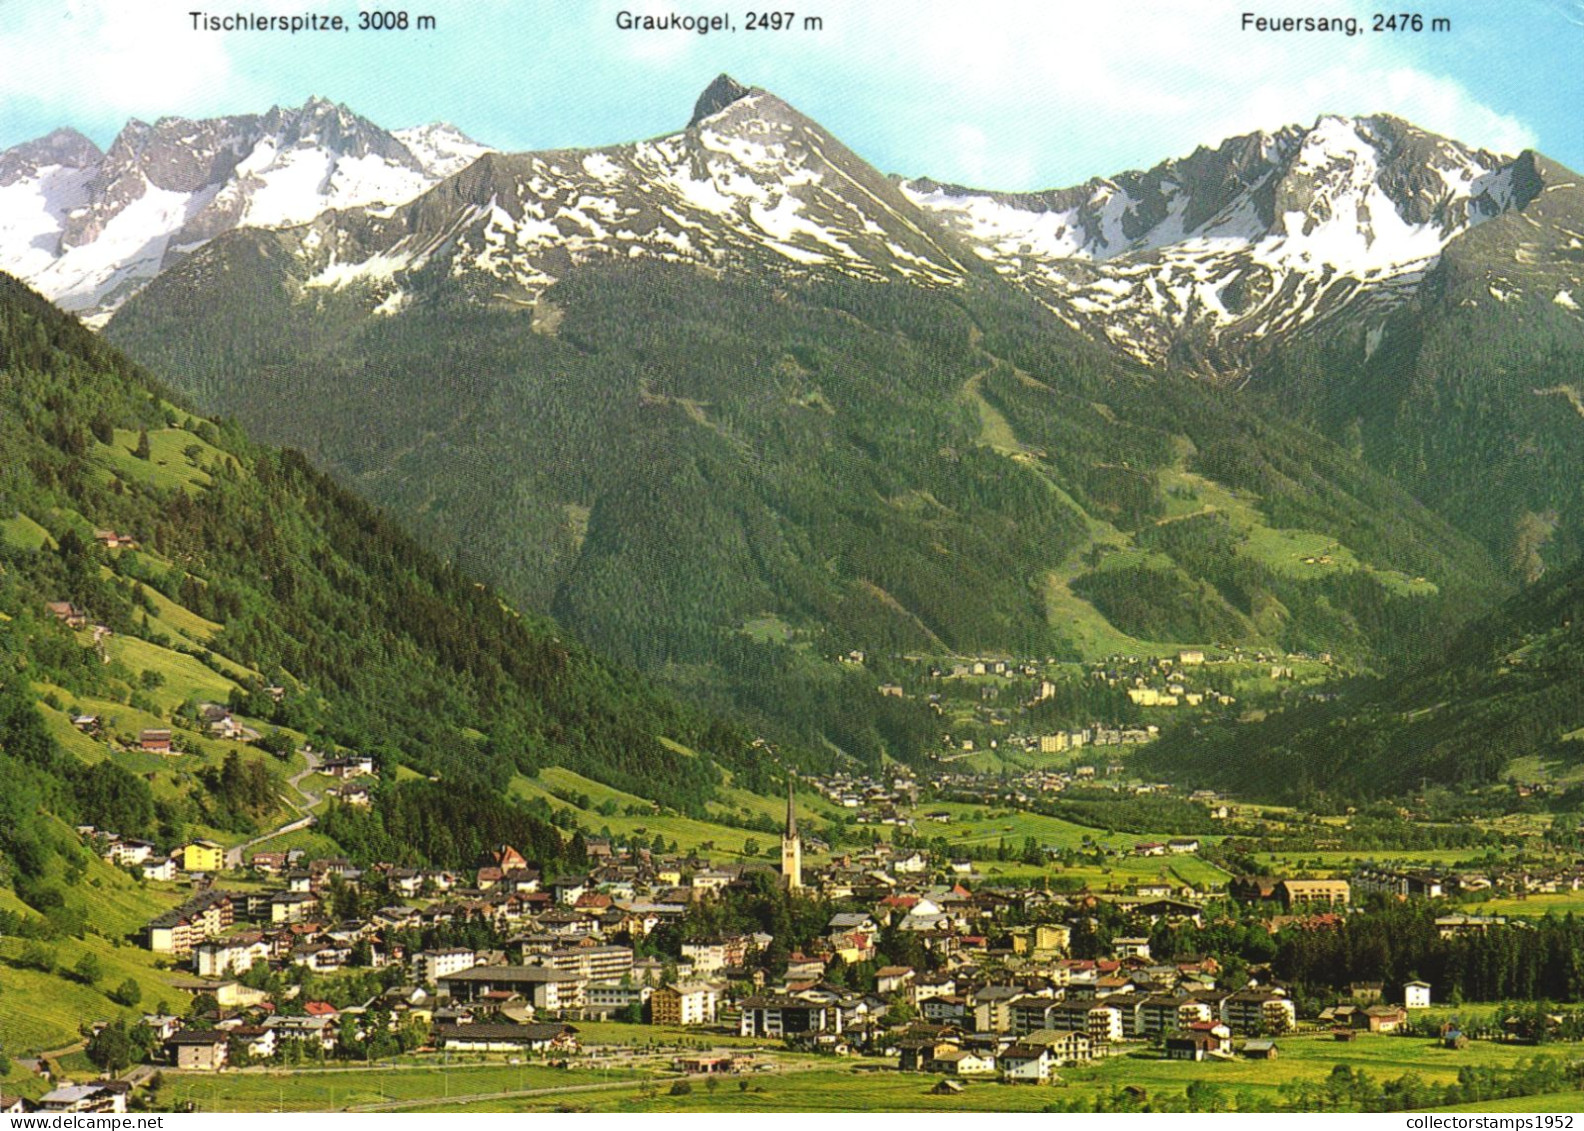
(309, 800)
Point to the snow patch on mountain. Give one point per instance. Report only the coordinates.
(91, 229)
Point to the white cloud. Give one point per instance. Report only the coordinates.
(109, 60)
(1094, 89)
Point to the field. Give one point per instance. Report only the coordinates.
(554, 784)
(335, 1088)
(115, 905)
(873, 1086)
(1534, 906)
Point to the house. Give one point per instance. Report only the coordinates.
(1067, 1046)
(260, 1042)
(361, 765)
(1416, 995)
(67, 613)
(14, 1105)
(217, 958)
(201, 1050)
(1131, 947)
(1262, 1049)
(111, 540)
(916, 1054)
(109, 1097)
(1191, 1044)
(963, 1062)
(1385, 1018)
(601, 999)
(202, 856)
(893, 979)
(154, 741)
(684, 1003)
(1366, 992)
(301, 1027)
(1026, 1064)
(479, 1037)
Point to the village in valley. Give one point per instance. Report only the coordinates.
(940, 936)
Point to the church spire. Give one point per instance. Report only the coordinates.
(791, 846)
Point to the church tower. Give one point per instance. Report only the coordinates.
(791, 847)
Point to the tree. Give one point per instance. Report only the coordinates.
(87, 970)
(110, 1049)
(142, 450)
(37, 956)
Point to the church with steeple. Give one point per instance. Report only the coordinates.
(791, 847)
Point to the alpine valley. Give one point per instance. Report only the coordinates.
(1064, 578)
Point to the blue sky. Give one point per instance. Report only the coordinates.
(1001, 94)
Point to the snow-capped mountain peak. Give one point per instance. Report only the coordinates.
(749, 183)
(1205, 255)
(440, 148)
(90, 229)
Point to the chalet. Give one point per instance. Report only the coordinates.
(1190, 1044)
(361, 765)
(893, 979)
(1180, 845)
(128, 852)
(478, 1037)
(201, 1050)
(217, 958)
(14, 1105)
(1131, 947)
(1416, 995)
(1026, 1064)
(270, 863)
(964, 1062)
(1366, 992)
(261, 1043)
(293, 906)
(111, 540)
(1253, 889)
(1385, 1018)
(1261, 1049)
(67, 613)
(301, 1027)
(100, 1096)
(155, 740)
(1067, 1046)
(916, 1054)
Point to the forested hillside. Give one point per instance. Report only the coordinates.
(728, 481)
(1511, 686)
(186, 564)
